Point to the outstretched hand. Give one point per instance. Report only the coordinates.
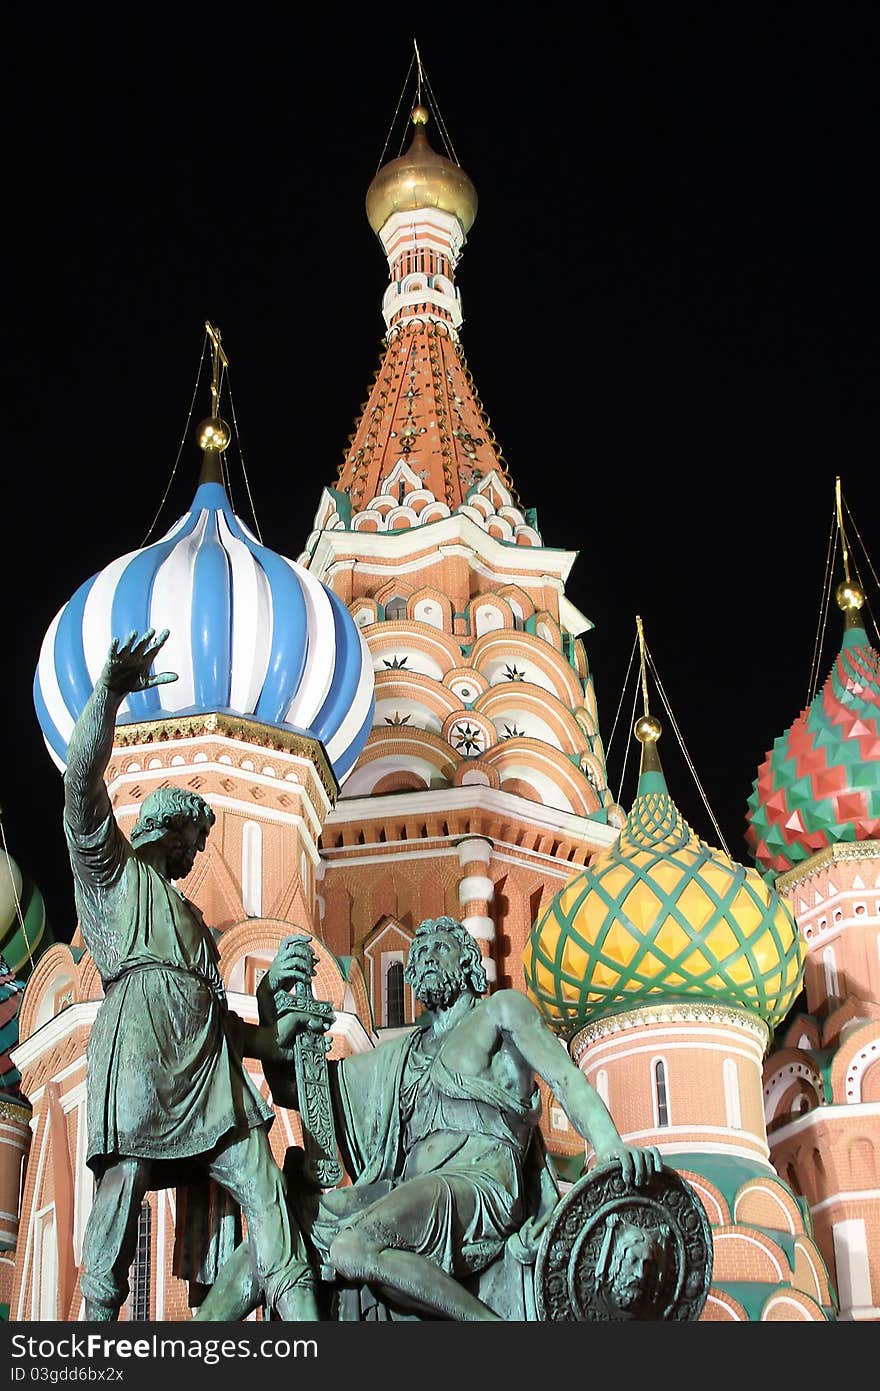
(128, 663)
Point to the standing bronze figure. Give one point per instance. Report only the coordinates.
(169, 1099)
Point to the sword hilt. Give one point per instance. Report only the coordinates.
(316, 1112)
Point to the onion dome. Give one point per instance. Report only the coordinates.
(11, 992)
(820, 783)
(21, 902)
(252, 634)
(661, 916)
(421, 178)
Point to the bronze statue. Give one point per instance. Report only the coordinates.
(438, 1130)
(169, 1100)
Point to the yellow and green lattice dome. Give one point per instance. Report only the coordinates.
(661, 916)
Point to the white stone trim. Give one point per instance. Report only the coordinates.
(311, 823)
(456, 535)
(12, 1138)
(596, 834)
(571, 620)
(78, 1065)
(696, 1145)
(808, 1119)
(480, 927)
(861, 1195)
(647, 1016)
(476, 887)
(29, 1233)
(53, 1031)
(472, 848)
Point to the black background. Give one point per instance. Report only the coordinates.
(671, 312)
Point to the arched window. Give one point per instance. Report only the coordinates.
(394, 1011)
(661, 1098)
(252, 869)
(731, 1095)
(602, 1084)
(46, 1273)
(829, 965)
(140, 1277)
(395, 608)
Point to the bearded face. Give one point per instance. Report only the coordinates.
(436, 973)
(634, 1274)
(181, 847)
(438, 986)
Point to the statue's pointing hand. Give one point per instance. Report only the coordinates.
(128, 663)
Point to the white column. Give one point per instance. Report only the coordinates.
(475, 894)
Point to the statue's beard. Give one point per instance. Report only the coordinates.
(437, 987)
(628, 1293)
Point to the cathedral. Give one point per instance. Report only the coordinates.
(401, 723)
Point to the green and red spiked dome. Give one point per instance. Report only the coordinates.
(820, 783)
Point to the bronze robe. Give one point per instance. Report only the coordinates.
(165, 1079)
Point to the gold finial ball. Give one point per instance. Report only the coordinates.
(214, 433)
(849, 595)
(419, 115)
(648, 729)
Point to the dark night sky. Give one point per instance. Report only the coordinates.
(671, 304)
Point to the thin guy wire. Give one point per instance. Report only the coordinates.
(866, 606)
(241, 457)
(690, 763)
(180, 449)
(224, 463)
(396, 113)
(861, 543)
(441, 124)
(867, 557)
(18, 911)
(823, 609)
(620, 702)
(632, 720)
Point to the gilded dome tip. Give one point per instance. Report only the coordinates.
(421, 178)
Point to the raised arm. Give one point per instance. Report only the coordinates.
(583, 1105)
(86, 803)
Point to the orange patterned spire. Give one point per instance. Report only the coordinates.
(423, 411)
(423, 422)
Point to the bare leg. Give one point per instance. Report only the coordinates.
(111, 1236)
(235, 1293)
(411, 1279)
(248, 1171)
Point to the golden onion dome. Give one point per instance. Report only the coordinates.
(661, 916)
(421, 178)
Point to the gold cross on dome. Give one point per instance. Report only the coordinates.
(218, 360)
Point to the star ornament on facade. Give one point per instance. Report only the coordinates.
(513, 673)
(511, 732)
(398, 719)
(396, 662)
(467, 739)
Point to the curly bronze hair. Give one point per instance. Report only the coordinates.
(471, 960)
(169, 809)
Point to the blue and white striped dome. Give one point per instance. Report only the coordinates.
(251, 633)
